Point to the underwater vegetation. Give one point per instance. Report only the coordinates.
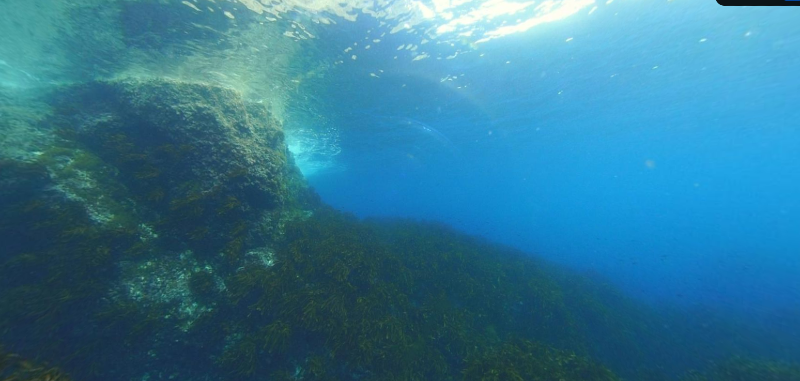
(86, 220)
(529, 361)
(357, 301)
(140, 227)
(165, 224)
(199, 157)
(15, 368)
(57, 267)
(744, 369)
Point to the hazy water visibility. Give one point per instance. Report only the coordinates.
(654, 142)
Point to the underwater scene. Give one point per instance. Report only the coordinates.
(408, 190)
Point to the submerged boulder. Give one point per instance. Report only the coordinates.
(127, 208)
(208, 168)
(194, 132)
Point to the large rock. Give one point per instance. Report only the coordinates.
(133, 202)
(209, 168)
(219, 140)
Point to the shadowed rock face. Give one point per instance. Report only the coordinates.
(208, 170)
(220, 141)
(134, 199)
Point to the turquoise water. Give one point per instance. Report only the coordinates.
(649, 145)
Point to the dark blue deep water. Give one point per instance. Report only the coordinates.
(650, 146)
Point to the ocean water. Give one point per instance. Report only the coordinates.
(653, 142)
(651, 147)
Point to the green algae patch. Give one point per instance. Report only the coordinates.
(14, 367)
(212, 166)
(360, 298)
(116, 231)
(56, 266)
(525, 360)
(747, 369)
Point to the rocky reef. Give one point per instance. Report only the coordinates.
(134, 197)
(158, 229)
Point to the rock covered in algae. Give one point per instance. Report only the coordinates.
(212, 133)
(207, 169)
(132, 201)
(208, 172)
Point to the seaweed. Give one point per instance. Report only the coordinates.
(747, 369)
(202, 285)
(14, 367)
(524, 360)
(276, 336)
(365, 301)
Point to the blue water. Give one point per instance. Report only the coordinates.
(652, 145)
(659, 146)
